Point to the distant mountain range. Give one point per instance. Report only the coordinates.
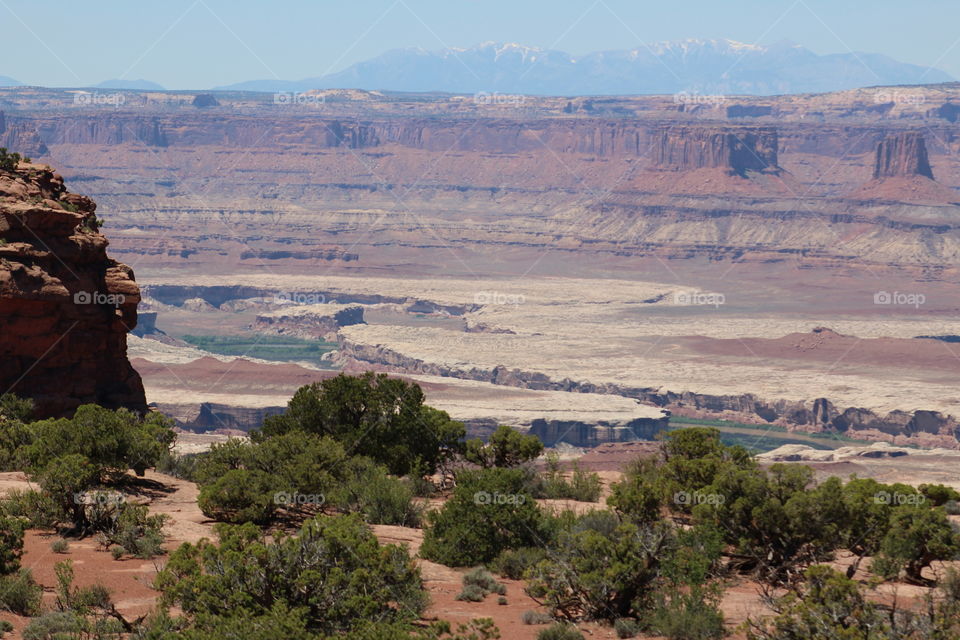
(705, 66)
(137, 85)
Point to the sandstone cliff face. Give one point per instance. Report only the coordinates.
(902, 155)
(23, 137)
(215, 416)
(734, 150)
(65, 307)
(581, 434)
(309, 321)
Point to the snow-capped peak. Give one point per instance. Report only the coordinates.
(714, 44)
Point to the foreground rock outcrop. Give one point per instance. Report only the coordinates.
(65, 306)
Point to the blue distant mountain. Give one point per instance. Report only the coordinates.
(136, 85)
(705, 66)
(6, 81)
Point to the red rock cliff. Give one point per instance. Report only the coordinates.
(902, 155)
(65, 307)
(736, 150)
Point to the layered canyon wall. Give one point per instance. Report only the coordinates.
(816, 415)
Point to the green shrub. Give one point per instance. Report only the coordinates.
(137, 532)
(282, 624)
(95, 596)
(69, 457)
(72, 625)
(938, 494)
(299, 462)
(117, 552)
(560, 632)
(489, 511)
(582, 486)
(63, 479)
(917, 536)
(239, 496)
(81, 599)
(375, 416)
(11, 544)
(179, 466)
(779, 521)
(20, 594)
(249, 482)
(535, 617)
(55, 625)
(333, 573)
(591, 575)
(472, 593)
(507, 447)
(826, 605)
(513, 563)
(60, 546)
(483, 579)
(687, 617)
(479, 582)
(380, 498)
(502, 600)
(603, 521)
(829, 605)
(14, 408)
(111, 441)
(37, 508)
(10, 160)
(626, 628)
(14, 437)
(422, 486)
(5, 627)
(952, 507)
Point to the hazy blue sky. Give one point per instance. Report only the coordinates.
(203, 43)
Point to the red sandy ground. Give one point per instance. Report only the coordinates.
(129, 579)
